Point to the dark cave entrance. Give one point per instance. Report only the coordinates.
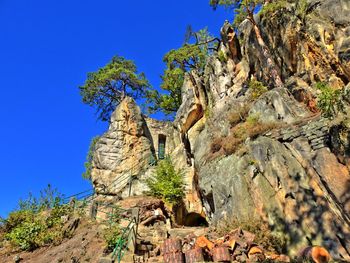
(195, 219)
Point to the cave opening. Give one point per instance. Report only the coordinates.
(194, 219)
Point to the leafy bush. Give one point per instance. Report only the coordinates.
(37, 222)
(25, 236)
(17, 218)
(167, 182)
(111, 236)
(56, 213)
(256, 89)
(302, 7)
(329, 101)
(222, 56)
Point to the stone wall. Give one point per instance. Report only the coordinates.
(316, 131)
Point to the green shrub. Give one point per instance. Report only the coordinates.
(56, 214)
(111, 235)
(49, 197)
(37, 222)
(251, 128)
(167, 182)
(302, 7)
(16, 218)
(256, 89)
(25, 236)
(329, 100)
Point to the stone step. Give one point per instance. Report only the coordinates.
(143, 247)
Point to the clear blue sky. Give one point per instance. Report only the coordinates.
(46, 49)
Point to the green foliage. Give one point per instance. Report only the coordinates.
(191, 56)
(167, 182)
(253, 119)
(329, 100)
(56, 213)
(272, 7)
(49, 197)
(25, 236)
(302, 6)
(111, 235)
(37, 222)
(16, 218)
(222, 56)
(242, 8)
(90, 155)
(105, 88)
(256, 89)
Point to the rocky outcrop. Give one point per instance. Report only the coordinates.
(293, 177)
(309, 41)
(125, 154)
(293, 170)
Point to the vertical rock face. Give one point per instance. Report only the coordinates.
(295, 177)
(287, 165)
(122, 151)
(128, 149)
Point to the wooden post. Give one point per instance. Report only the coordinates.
(93, 210)
(133, 235)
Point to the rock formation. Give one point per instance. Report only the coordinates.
(291, 170)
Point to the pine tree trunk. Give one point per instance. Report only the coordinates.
(123, 92)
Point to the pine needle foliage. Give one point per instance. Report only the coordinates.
(108, 86)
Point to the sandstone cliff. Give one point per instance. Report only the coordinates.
(273, 157)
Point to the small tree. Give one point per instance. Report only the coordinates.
(330, 100)
(107, 87)
(90, 155)
(256, 89)
(191, 56)
(167, 182)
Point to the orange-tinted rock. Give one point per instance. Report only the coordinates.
(203, 242)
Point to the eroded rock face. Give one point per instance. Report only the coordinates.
(125, 155)
(296, 177)
(128, 150)
(120, 149)
(312, 43)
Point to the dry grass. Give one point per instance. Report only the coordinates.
(238, 115)
(251, 128)
(263, 234)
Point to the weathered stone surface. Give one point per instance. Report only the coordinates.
(335, 175)
(312, 45)
(295, 177)
(277, 105)
(123, 154)
(269, 181)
